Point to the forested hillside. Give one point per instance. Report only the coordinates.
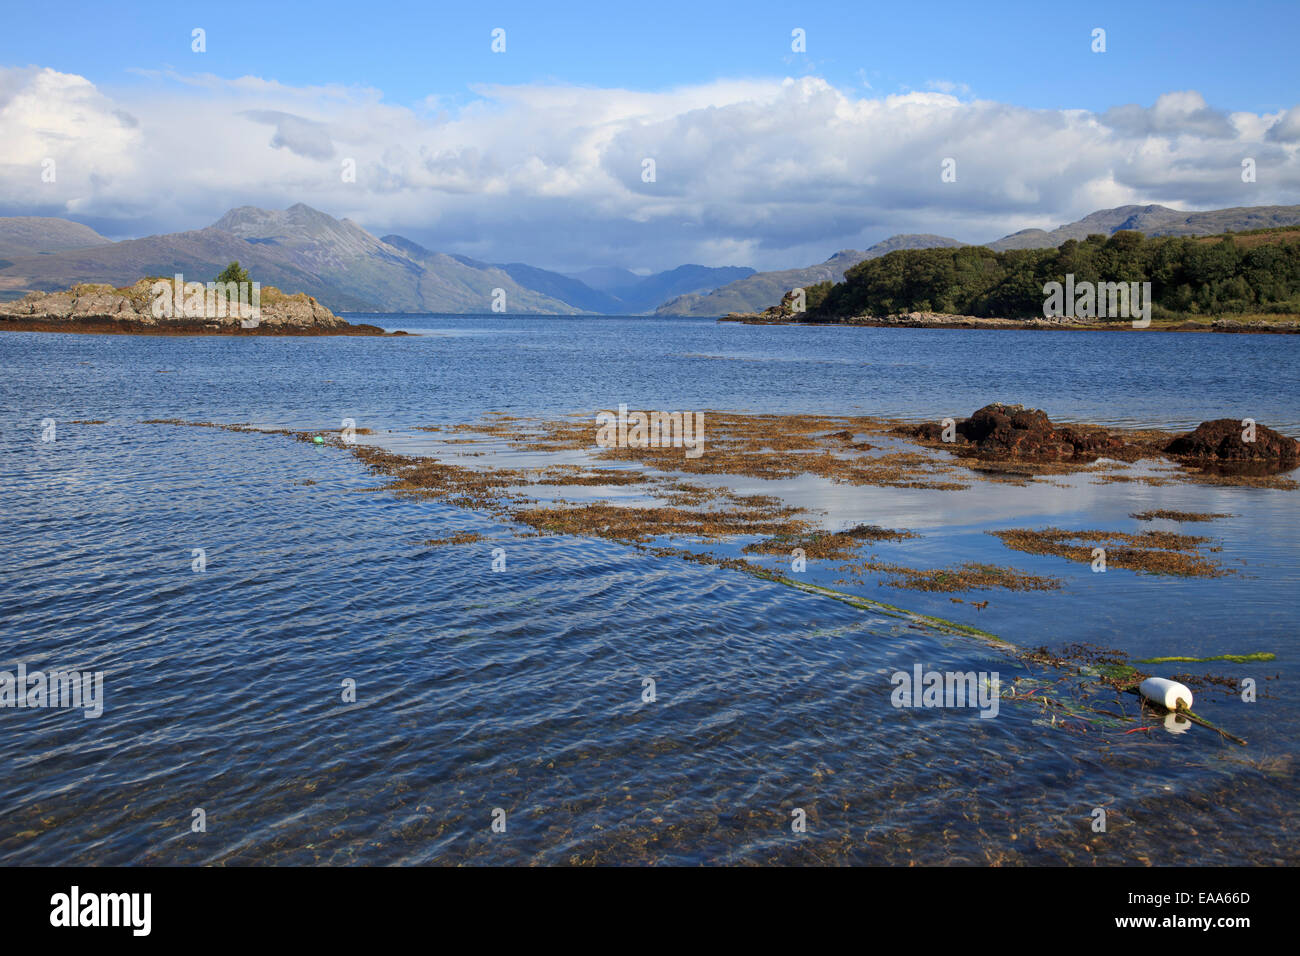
(1256, 272)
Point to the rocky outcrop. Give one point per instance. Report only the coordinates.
(1255, 325)
(1014, 432)
(1224, 440)
(784, 313)
(96, 307)
(1001, 432)
(932, 320)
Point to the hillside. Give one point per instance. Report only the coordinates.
(613, 291)
(334, 260)
(397, 278)
(299, 249)
(34, 235)
(564, 288)
(765, 289)
(1188, 276)
(1153, 221)
(349, 269)
(609, 279)
(762, 289)
(648, 292)
(200, 254)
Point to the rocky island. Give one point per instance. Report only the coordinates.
(130, 310)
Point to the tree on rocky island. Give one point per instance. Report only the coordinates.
(234, 273)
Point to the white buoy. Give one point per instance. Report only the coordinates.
(1166, 693)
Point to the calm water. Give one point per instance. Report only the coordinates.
(522, 690)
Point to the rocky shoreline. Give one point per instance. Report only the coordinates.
(780, 315)
(105, 310)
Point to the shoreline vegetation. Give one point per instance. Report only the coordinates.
(676, 510)
(1235, 282)
(102, 309)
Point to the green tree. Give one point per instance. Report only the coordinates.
(234, 273)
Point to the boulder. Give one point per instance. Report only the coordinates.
(1015, 432)
(1221, 440)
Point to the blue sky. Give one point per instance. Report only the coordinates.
(765, 157)
(1240, 56)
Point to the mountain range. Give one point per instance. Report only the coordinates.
(301, 249)
(741, 296)
(34, 235)
(764, 289)
(1153, 221)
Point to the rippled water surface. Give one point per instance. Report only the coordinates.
(522, 690)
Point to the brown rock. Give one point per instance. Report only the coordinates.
(1221, 440)
(1013, 431)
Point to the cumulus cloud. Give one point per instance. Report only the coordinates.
(1286, 129)
(1174, 114)
(44, 113)
(297, 134)
(767, 173)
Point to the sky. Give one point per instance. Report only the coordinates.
(763, 155)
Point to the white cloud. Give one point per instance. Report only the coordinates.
(767, 173)
(303, 137)
(1184, 113)
(45, 113)
(1287, 129)
(948, 86)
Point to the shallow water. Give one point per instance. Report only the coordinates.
(522, 690)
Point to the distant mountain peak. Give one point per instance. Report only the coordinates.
(1152, 219)
(256, 222)
(35, 235)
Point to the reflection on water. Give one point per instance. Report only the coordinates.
(522, 689)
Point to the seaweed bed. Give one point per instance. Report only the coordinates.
(833, 448)
(769, 447)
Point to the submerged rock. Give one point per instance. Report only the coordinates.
(1013, 431)
(1224, 440)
